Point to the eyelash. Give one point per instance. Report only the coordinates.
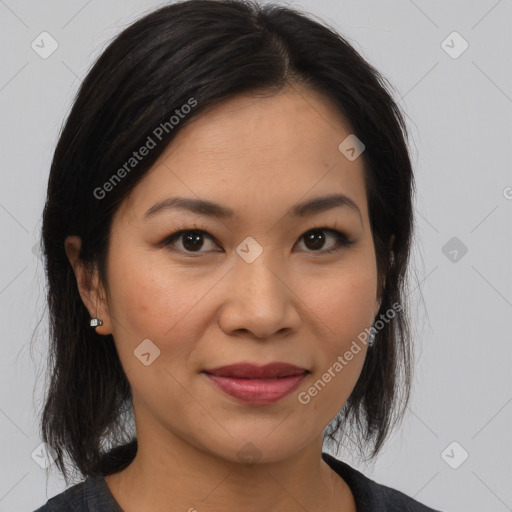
(342, 241)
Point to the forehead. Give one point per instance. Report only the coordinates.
(256, 155)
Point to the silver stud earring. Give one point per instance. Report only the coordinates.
(95, 322)
(371, 337)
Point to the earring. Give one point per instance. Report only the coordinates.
(95, 322)
(371, 337)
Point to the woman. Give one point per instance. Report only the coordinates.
(227, 234)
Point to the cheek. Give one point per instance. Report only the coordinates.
(157, 302)
(345, 300)
(343, 307)
(343, 304)
(349, 305)
(141, 286)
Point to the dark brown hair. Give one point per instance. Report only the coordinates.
(210, 51)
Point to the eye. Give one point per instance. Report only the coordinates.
(315, 239)
(193, 240)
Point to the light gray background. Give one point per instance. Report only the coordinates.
(459, 112)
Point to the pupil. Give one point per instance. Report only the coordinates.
(317, 238)
(192, 241)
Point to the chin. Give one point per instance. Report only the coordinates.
(248, 451)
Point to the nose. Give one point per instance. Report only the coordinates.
(259, 299)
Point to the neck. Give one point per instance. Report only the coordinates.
(169, 470)
(207, 484)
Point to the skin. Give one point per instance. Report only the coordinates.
(294, 303)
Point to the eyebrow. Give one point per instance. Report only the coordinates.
(211, 209)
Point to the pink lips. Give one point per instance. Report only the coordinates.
(258, 385)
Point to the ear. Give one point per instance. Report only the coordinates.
(382, 282)
(92, 293)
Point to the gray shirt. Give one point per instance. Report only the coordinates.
(93, 495)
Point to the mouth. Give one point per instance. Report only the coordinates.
(257, 385)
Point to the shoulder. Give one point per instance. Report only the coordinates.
(372, 496)
(71, 500)
(397, 500)
(91, 495)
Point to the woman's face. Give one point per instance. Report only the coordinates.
(256, 287)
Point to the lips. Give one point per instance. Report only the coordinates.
(257, 385)
(251, 371)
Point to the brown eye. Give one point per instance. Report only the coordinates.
(315, 240)
(191, 240)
